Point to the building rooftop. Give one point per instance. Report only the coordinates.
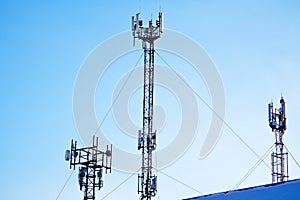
(289, 190)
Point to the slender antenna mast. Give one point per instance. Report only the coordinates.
(277, 122)
(93, 164)
(147, 181)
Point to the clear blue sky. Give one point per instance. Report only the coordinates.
(255, 46)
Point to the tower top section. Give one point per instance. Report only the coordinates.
(148, 33)
(277, 117)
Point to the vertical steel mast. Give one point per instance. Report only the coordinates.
(277, 122)
(147, 181)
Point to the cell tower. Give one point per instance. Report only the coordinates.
(277, 122)
(147, 181)
(93, 163)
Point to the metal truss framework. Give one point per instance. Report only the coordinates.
(93, 163)
(279, 158)
(147, 181)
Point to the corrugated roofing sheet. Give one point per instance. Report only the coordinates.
(289, 190)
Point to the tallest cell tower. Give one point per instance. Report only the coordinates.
(147, 180)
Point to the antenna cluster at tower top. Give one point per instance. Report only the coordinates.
(277, 117)
(146, 34)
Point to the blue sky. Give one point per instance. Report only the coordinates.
(254, 45)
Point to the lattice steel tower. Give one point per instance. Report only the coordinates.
(277, 122)
(147, 181)
(93, 164)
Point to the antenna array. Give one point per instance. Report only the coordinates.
(93, 163)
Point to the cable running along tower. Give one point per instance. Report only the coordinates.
(277, 122)
(147, 181)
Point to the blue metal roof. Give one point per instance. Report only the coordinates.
(289, 190)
